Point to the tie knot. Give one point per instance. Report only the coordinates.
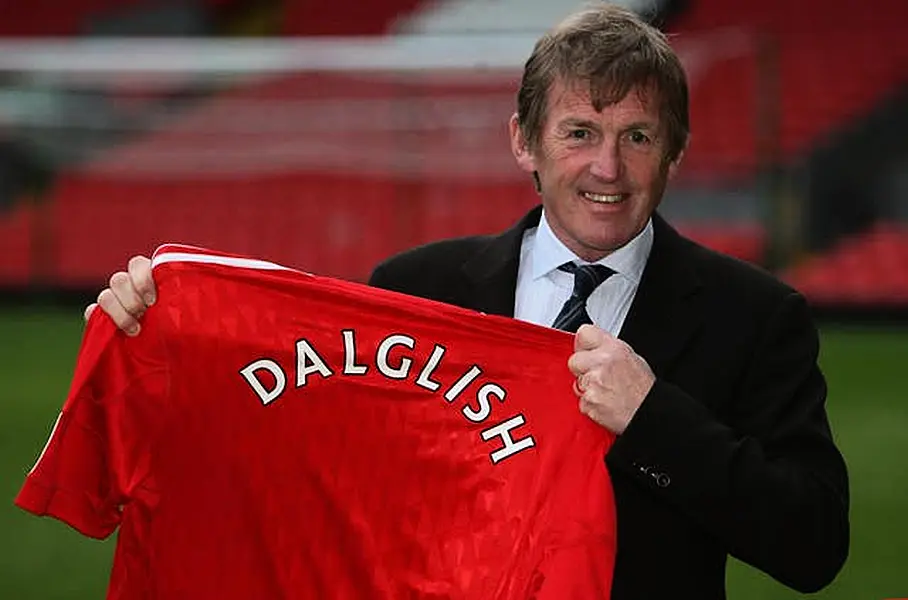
(586, 277)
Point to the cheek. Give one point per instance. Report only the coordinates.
(565, 166)
(648, 175)
(558, 152)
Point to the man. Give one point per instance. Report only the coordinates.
(712, 384)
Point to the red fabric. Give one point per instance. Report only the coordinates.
(345, 485)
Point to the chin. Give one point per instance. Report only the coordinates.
(609, 245)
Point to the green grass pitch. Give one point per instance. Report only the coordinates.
(868, 405)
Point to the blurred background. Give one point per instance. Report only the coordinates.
(329, 135)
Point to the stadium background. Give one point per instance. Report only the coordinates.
(329, 135)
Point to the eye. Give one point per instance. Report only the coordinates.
(579, 134)
(638, 137)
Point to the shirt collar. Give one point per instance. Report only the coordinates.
(548, 253)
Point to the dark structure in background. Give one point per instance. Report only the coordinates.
(853, 180)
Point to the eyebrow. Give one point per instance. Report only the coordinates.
(575, 122)
(642, 125)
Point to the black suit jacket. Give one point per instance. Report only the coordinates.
(730, 451)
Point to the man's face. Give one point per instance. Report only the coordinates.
(602, 174)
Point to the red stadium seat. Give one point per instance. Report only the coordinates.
(17, 229)
(867, 268)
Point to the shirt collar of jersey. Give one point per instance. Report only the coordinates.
(548, 253)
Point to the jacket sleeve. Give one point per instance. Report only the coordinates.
(768, 480)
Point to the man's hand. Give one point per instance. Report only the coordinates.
(130, 293)
(612, 380)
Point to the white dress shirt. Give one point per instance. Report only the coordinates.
(542, 288)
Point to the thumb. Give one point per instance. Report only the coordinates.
(589, 337)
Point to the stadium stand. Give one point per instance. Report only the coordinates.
(388, 159)
(870, 268)
(310, 18)
(50, 18)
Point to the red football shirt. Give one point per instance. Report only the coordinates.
(273, 434)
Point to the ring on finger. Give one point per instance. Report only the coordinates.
(580, 384)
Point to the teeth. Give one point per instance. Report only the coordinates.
(605, 198)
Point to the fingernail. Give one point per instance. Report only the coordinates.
(149, 299)
(133, 330)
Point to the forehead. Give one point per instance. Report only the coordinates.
(573, 100)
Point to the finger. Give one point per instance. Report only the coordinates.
(587, 381)
(142, 281)
(88, 310)
(586, 407)
(108, 302)
(589, 337)
(585, 360)
(126, 294)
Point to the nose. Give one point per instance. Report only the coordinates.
(606, 164)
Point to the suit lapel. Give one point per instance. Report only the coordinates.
(663, 316)
(492, 272)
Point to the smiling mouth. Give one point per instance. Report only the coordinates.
(604, 198)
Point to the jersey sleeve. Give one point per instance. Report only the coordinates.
(98, 453)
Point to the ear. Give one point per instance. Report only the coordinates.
(520, 147)
(675, 165)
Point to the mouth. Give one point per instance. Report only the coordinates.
(604, 198)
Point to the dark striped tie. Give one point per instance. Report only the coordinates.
(586, 279)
